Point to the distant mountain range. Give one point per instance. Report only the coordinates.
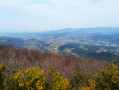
(99, 43)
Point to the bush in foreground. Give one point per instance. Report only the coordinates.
(36, 79)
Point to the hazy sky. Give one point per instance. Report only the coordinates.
(41, 15)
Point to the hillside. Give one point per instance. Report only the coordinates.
(18, 43)
(96, 43)
(89, 51)
(32, 69)
(24, 58)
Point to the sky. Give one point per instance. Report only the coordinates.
(43, 15)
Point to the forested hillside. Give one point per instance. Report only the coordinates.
(25, 69)
(89, 51)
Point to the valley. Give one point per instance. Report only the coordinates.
(98, 43)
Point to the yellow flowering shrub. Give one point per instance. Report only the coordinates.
(108, 78)
(36, 78)
(57, 81)
(18, 77)
(2, 75)
(85, 88)
(91, 85)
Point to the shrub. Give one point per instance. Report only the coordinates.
(36, 79)
(57, 82)
(108, 79)
(79, 79)
(2, 75)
